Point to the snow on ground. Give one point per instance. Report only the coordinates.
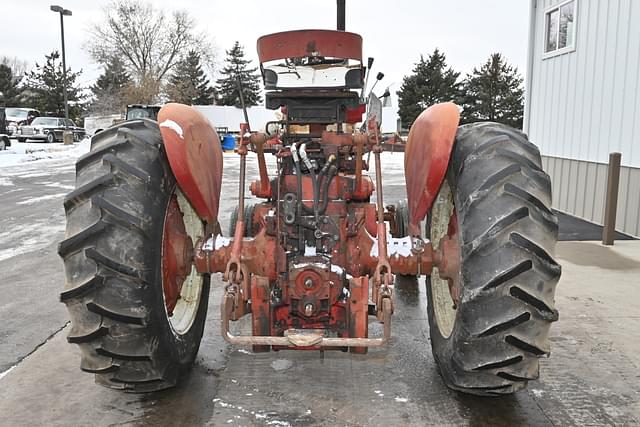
(21, 153)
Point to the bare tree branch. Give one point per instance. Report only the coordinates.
(149, 42)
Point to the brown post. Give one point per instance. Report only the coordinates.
(611, 199)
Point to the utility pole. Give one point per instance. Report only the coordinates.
(67, 136)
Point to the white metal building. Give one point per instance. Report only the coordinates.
(583, 102)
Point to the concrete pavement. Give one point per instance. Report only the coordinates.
(591, 378)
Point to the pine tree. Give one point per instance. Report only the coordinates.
(45, 88)
(188, 84)
(431, 82)
(494, 93)
(236, 65)
(9, 92)
(111, 88)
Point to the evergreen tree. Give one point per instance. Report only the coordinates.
(188, 84)
(9, 92)
(431, 82)
(111, 88)
(45, 88)
(494, 93)
(236, 65)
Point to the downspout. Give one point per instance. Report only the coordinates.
(530, 56)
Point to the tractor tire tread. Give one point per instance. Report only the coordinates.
(115, 318)
(508, 234)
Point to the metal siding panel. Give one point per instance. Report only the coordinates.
(609, 70)
(581, 185)
(595, 122)
(579, 189)
(599, 194)
(623, 198)
(564, 183)
(557, 182)
(586, 43)
(563, 124)
(572, 182)
(552, 178)
(586, 103)
(590, 189)
(631, 156)
(616, 133)
(575, 118)
(632, 208)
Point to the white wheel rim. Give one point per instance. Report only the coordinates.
(186, 309)
(442, 303)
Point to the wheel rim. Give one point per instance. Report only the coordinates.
(50, 138)
(181, 283)
(444, 228)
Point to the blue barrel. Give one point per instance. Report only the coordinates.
(228, 142)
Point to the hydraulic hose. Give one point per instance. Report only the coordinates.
(300, 205)
(314, 181)
(325, 188)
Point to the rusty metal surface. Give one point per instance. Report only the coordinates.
(303, 43)
(447, 258)
(426, 158)
(312, 341)
(177, 252)
(590, 380)
(195, 155)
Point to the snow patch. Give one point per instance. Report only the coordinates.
(215, 243)
(281, 364)
(401, 399)
(310, 251)
(5, 182)
(3, 374)
(58, 185)
(34, 175)
(537, 393)
(278, 423)
(398, 247)
(34, 200)
(173, 126)
(21, 153)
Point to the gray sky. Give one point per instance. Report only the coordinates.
(394, 32)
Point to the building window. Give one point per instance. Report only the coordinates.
(560, 28)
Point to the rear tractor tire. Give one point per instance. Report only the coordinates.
(497, 191)
(116, 263)
(251, 229)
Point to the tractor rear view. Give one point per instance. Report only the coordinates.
(314, 261)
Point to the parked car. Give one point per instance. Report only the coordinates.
(4, 138)
(49, 129)
(16, 117)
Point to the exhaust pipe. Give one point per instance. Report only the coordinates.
(341, 13)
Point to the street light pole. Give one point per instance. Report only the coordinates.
(64, 12)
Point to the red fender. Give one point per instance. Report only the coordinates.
(195, 156)
(426, 158)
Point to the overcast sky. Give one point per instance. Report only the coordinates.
(395, 32)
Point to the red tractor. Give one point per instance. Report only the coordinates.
(315, 260)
